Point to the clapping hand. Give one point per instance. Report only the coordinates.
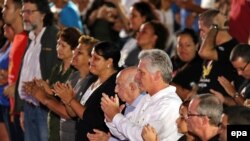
(110, 106)
(64, 91)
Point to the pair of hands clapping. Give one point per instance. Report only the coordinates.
(39, 89)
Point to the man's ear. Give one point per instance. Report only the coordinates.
(157, 75)
(132, 86)
(155, 37)
(205, 120)
(110, 62)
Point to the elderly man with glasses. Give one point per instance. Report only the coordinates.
(203, 118)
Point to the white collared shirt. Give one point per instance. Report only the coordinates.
(129, 108)
(160, 111)
(31, 65)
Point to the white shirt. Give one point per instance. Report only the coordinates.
(31, 65)
(126, 49)
(129, 108)
(88, 93)
(160, 111)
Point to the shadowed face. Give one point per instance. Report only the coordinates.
(203, 29)
(242, 67)
(8, 32)
(136, 19)
(181, 120)
(186, 48)
(145, 36)
(10, 11)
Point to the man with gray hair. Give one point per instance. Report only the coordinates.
(159, 107)
(203, 118)
(37, 62)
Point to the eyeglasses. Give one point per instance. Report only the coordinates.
(245, 66)
(195, 115)
(243, 69)
(28, 12)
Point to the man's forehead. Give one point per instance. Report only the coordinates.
(193, 104)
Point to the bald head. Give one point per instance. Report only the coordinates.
(126, 87)
(128, 74)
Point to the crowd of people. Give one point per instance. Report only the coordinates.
(123, 70)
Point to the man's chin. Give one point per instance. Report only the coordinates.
(28, 27)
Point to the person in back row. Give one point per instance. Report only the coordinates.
(187, 64)
(215, 50)
(240, 58)
(152, 34)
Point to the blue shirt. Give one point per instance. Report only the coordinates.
(70, 16)
(130, 108)
(4, 63)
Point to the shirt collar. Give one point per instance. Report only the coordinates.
(161, 93)
(33, 37)
(137, 100)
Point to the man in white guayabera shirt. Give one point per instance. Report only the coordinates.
(159, 107)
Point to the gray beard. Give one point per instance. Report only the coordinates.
(29, 27)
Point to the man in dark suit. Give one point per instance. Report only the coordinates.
(37, 62)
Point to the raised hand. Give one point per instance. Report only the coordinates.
(44, 85)
(64, 91)
(110, 106)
